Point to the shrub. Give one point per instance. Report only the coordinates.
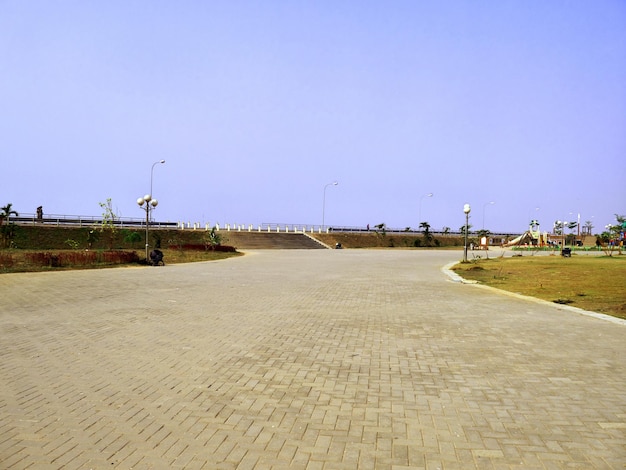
(118, 257)
(6, 260)
(73, 244)
(131, 237)
(43, 259)
(80, 258)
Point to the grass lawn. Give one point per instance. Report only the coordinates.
(596, 283)
(191, 256)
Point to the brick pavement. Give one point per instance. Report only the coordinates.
(333, 359)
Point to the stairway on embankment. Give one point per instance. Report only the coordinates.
(243, 240)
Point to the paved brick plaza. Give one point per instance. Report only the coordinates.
(322, 359)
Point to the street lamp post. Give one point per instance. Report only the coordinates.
(334, 183)
(565, 224)
(419, 208)
(484, 206)
(147, 204)
(152, 174)
(568, 226)
(466, 210)
(560, 225)
(533, 217)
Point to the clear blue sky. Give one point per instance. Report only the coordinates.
(257, 105)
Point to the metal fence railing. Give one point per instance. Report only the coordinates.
(84, 221)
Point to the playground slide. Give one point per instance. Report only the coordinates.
(517, 240)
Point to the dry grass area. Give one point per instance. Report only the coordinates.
(191, 256)
(596, 283)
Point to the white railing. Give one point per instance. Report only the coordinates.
(88, 221)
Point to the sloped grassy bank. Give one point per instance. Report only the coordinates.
(377, 239)
(39, 248)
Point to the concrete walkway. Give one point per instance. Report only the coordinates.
(323, 359)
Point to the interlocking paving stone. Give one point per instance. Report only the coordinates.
(324, 359)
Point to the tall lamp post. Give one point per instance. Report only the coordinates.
(466, 210)
(567, 224)
(147, 204)
(534, 217)
(484, 206)
(334, 183)
(419, 209)
(152, 174)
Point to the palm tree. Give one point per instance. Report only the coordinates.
(463, 228)
(6, 212)
(425, 226)
(558, 227)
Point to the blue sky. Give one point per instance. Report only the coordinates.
(257, 105)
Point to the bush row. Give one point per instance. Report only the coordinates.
(80, 258)
(203, 247)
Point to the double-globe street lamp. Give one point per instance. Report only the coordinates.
(466, 210)
(148, 203)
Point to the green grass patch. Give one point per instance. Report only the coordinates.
(596, 283)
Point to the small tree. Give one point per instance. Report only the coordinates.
(213, 239)
(156, 238)
(6, 212)
(612, 237)
(7, 230)
(107, 225)
(92, 237)
(425, 226)
(132, 237)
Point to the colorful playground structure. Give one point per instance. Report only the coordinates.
(534, 237)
